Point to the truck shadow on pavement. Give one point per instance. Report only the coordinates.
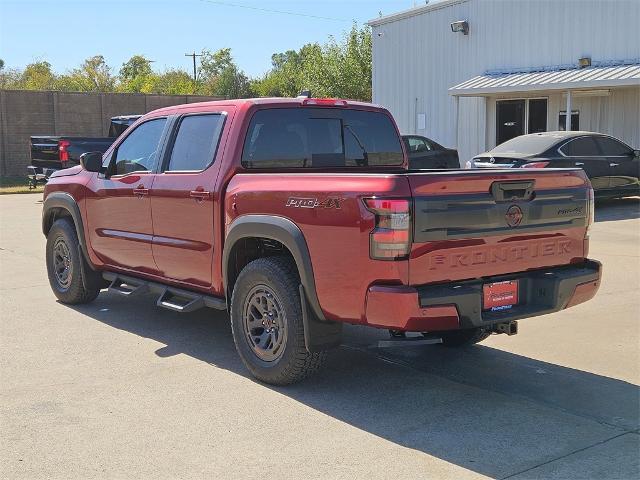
(617, 209)
(481, 408)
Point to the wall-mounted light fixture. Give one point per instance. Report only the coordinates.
(460, 26)
(602, 92)
(584, 62)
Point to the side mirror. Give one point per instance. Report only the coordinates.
(91, 161)
(636, 153)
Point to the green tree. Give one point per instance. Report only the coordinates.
(212, 64)
(281, 60)
(285, 77)
(335, 69)
(341, 69)
(232, 83)
(172, 82)
(219, 75)
(10, 78)
(37, 76)
(136, 75)
(136, 66)
(94, 75)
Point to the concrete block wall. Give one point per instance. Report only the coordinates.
(24, 113)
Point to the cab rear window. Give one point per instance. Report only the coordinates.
(320, 138)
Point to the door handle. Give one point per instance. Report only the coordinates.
(614, 164)
(140, 191)
(579, 164)
(199, 195)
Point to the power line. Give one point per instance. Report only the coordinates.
(269, 10)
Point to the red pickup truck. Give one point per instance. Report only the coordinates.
(298, 215)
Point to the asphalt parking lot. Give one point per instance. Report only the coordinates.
(121, 389)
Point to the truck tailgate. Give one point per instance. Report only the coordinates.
(44, 148)
(471, 224)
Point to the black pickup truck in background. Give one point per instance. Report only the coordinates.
(53, 152)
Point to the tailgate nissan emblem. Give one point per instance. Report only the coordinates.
(514, 216)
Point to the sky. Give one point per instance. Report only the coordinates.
(65, 32)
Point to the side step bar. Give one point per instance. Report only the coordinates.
(175, 299)
(179, 302)
(127, 288)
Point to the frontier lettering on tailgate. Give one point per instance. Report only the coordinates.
(497, 255)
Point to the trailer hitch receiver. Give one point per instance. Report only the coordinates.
(510, 328)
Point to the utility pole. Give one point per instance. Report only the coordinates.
(195, 72)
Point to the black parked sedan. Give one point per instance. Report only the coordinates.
(612, 166)
(424, 153)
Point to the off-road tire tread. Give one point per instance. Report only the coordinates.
(77, 293)
(302, 363)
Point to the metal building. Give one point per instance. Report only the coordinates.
(473, 73)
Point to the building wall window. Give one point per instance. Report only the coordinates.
(575, 120)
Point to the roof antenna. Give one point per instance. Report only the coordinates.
(305, 94)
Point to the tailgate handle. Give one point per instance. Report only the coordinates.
(510, 191)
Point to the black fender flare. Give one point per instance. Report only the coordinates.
(284, 231)
(66, 202)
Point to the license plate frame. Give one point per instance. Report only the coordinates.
(497, 296)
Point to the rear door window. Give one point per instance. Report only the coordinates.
(320, 137)
(194, 148)
(581, 147)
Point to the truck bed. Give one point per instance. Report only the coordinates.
(459, 227)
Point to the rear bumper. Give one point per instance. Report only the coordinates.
(458, 305)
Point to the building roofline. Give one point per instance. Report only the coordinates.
(622, 75)
(412, 12)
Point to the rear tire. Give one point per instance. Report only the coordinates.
(64, 265)
(463, 338)
(266, 322)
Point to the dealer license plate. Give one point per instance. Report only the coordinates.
(500, 295)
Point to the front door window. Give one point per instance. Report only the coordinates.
(139, 151)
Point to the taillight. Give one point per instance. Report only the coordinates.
(63, 154)
(390, 239)
(535, 165)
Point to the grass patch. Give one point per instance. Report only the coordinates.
(17, 184)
